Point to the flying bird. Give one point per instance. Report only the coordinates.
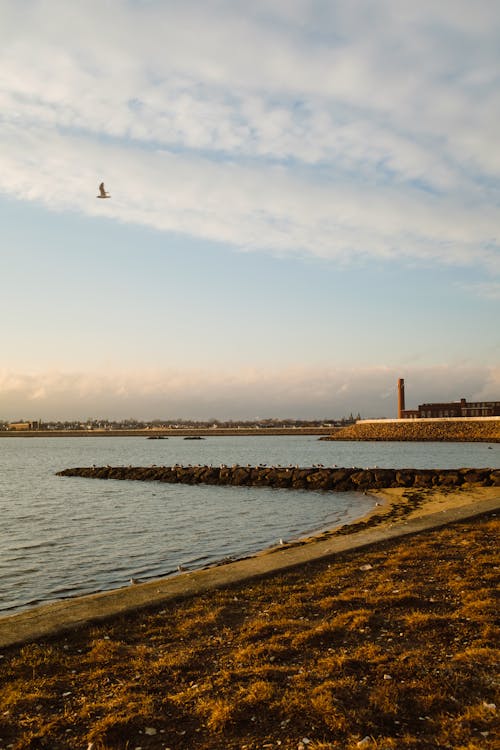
(102, 191)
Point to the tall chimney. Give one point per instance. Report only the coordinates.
(401, 397)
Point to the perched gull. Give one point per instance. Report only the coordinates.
(102, 191)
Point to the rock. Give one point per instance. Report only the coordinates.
(341, 477)
(240, 476)
(451, 478)
(314, 478)
(475, 476)
(365, 742)
(423, 478)
(366, 567)
(404, 478)
(495, 478)
(384, 477)
(320, 479)
(150, 730)
(363, 479)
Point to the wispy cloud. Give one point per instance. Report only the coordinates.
(247, 205)
(340, 130)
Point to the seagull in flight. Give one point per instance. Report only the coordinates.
(102, 191)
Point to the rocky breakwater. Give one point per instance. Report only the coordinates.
(307, 478)
(459, 431)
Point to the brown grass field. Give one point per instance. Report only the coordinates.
(391, 648)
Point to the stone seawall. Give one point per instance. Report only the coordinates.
(468, 431)
(308, 478)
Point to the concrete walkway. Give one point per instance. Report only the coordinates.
(53, 619)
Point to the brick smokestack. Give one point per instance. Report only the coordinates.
(401, 397)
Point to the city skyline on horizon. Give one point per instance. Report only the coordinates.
(304, 207)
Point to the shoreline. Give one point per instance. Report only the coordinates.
(445, 430)
(171, 432)
(396, 504)
(401, 512)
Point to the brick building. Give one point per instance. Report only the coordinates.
(460, 408)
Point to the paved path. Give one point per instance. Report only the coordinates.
(53, 619)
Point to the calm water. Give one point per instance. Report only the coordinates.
(62, 536)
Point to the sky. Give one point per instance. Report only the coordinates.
(304, 207)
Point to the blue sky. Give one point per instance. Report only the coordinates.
(304, 206)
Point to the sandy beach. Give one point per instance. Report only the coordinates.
(398, 503)
(429, 501)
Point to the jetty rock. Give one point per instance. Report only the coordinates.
(302, 478)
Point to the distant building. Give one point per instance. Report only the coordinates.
(408, 414)
(460, 408)
(452, 409)
(24, 426)
(19, 426)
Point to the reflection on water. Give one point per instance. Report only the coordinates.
(65, 536)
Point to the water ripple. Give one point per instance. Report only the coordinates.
(62, 537)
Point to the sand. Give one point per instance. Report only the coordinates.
(434, 501)
(404, 504)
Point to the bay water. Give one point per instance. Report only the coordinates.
(62, 537)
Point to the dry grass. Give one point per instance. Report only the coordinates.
(402, 653)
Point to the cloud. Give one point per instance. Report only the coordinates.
(265, 207)
(299, 392)
(357, 129)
